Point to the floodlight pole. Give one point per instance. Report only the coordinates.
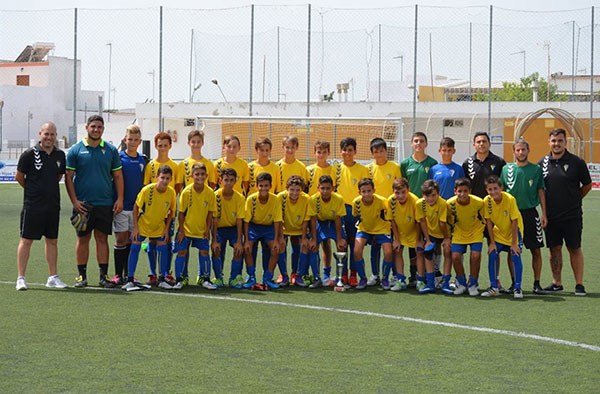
(109, 44)
(73, 132)
(160, 72)
(415, 72)
(490, 74)
(591, 91)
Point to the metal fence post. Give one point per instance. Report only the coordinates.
(73, 132)
(308, 66)
(161, 125)
(490, 75)
(379, 82)
(251, 80)
(592, 92)
(415, 72)
(471, 60)
(573, 65)
(278, 68)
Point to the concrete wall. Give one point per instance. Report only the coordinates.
(38, 73)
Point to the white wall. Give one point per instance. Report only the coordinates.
(38, 74)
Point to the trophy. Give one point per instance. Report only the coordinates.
(339, 269)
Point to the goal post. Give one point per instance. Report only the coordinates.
(308, 130)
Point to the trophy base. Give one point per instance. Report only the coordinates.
(339, 289)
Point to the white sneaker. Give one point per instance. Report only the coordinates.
(329, 282)
(55, 282)
(164, 285)
(373, 280)
(393, 280)
(178, 285)
(473, 291)
(130, 286)
(491, 292)
(207, 284)
(398, 286)
(315, 285)
(21, 283)
(460, 289)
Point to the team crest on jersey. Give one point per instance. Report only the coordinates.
(166, 204)
(409, 219)
(297, 218)
(205, 204)
(427, 169)
(451, 172)
(354, 181)
(492, 166)
(530, 182)
(565, 167)
(389, 176)
(332, 212)
(269, 216)
(58, 163)
(505, 212)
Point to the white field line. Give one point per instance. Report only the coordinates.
(556, 341)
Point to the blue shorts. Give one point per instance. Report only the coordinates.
(227, 234)
(141, 238)
(435, 241)
(200, 243)
(375, 239)
(349, 222)
(506, 248)
(265, 232)
(462, 248)
(326, 230)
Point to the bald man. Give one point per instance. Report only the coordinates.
(39, 170)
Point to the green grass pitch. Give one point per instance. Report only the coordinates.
(110, 341)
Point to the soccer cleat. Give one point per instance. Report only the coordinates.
(285, 281)
(293, 278)
(537, 289)
(393, 280)
(163, 284)
(21, 284)
(259, 287)
(170, 279)
(199, 280)
(580, 290)
(427, 290)
(237, 282)
(117, 280)
(207, 284)
(518, 293)
(361, 285)
(420, 285)
(250, 281)
(353, 279)
(553, 288)
(491, 292)
(412, 283)
(186, 280)
(80, 282)
(152, 280)
(129, 286)
(460, 289)
(399, 286)
(300, 282)
(104, 282)
(178, 285)
(56, 283)
(219, 283)
(329, 282)
(373, 280)
(279, 279)
(316, 284)
(438, 280)
(473, 291)
(446, 289)
(385, 284)
(270, 285)
(510, 290)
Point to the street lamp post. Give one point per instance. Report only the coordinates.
(194, 92)
(109, 44)
(524, 53)
(29, 117)
(220, 90)
(153, 75)
(401, 57)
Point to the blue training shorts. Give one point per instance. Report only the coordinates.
(326, 230)
(265, 232)
(141, 238)
(462, 248)
(375, 239)
(227, 234)
(200, 243)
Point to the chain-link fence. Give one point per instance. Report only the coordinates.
(282, 54)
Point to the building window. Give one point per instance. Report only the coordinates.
(22, 80)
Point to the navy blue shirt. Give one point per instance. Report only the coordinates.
(445, 175)
(133, 178)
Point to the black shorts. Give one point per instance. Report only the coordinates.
(101, 219)
(34, 225)
(567, 230)
(534, 236)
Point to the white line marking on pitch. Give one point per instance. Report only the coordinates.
(364, 313)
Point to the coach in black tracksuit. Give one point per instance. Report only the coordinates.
(482, 164)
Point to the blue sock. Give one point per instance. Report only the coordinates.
(216, 263)
(394, 272)
(400, 277)
(420, 278)
(169, 257)
(134, 253)
(185, 265)
(295, 257)
(267, 276)
(492, 263)
(430, 279)
(326, 272)
(314, 264)
(518, 263)
(387, 268)
(163, 252)
(462, 280)
(360, 267)
(303, 264)
(179, 263)
(251, 270)
(266, 256)
(255, 253)
(152, 258)
(282, 263)
(236, 268)
(473, 281)
(446, 279)
(204, 266)
(375, 249)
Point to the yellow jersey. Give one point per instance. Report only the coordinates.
(347, 179)
(433, 214)
(229, 211)
(293, 214)
(256, 169)
(184, 171)
(259, 213)
(404, 215)
(196, 206)
(287, 170)
(372, 218)
(154, 207)
(315, 173)
(502, 216)
(383, 176)
(466, 221)
(326, 210)
(240, 167)
(152, 169)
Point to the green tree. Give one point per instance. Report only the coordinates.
(523, 91)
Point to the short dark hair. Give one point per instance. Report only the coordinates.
(295, 180)
(463, 182)
(447, 141)
(95, 118)
(229, 138)
(493, 179)
(377, 143)
(348, 141)
(429, 186)
(228, 172)
(264, 176)
(165, 169)
(366, 182)
(419, 134)
(557, 131)
(481, 133)
(196, 133)
(320, 144)
(400, 183)
(325, 179)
